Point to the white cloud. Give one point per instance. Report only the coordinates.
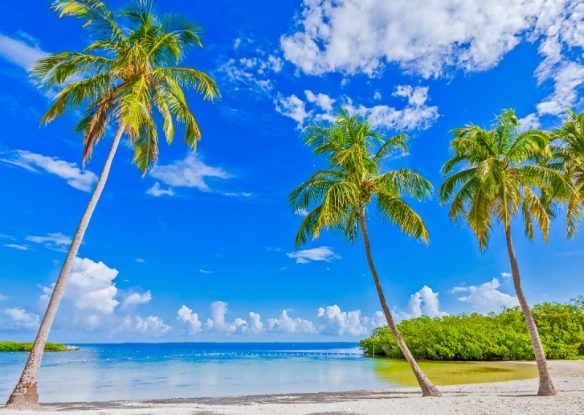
(91, 286)
(506, 275)
(293, 107)
(255, 323)
(157, 191)
(20, 318)
(187, 316)
(18, 247)
(323, 101)
(73, 175)
(486, 297)
(217, 321)
(247, 74)
(423, 36)
(2, 297)
(20, 52)
(189, 172)
(416, 114)
(322, 253)
(424, 302)
(206, 271)
(431, 38)
(251, 69)
(92, 302)
(135, 299)
(291, 325)
(330, 320)
(340, 322)
(55, 241)
(151, 325)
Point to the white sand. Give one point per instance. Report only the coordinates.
(509, 398)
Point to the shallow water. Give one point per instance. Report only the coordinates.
(158, 371)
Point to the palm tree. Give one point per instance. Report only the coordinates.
(500, 175)
(339, 196)
(129, 69)
(568, 156)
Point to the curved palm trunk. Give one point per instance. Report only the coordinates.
(428, 389)
(546, 387)
(25, 393)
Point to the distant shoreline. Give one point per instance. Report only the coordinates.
(27, 346)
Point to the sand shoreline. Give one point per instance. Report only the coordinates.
(514, 397)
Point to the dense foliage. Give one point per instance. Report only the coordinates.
(494, 336)
(27, 347)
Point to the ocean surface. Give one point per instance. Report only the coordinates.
(104, 372)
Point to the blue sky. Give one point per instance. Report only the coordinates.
(202, 247)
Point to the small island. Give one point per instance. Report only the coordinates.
(26, 347)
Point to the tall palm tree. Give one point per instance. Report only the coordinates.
(339, 196)
(499, 175)
(568, 156)
(129, 69)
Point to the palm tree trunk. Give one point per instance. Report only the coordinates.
(546, 387)
(25, 394)
(428, 389)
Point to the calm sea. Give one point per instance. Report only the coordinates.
(103, 372)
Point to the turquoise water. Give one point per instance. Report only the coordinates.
(108, 372)
(157, 371)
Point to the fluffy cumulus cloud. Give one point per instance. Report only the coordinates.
(19, 318)
(284, 323)
(424, 302)
(217, 320)
(91, 286)
(430, 37)
(190, 172)
(485, 297)
(186, 315)
(337, 322)
(93, 302)
(151, 325)
(426, 36)
(70, 172)
(322, 253)
(218, 323)
(416, 114)
(136, 298)
(22, 51)
(330, 321)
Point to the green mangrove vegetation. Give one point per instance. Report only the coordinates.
(27, 347)
(496, 336)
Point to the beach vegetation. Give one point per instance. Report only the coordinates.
(493, 336)
(27, 347)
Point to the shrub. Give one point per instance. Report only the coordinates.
(501, 336)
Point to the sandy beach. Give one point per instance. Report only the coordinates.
(510, 398)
